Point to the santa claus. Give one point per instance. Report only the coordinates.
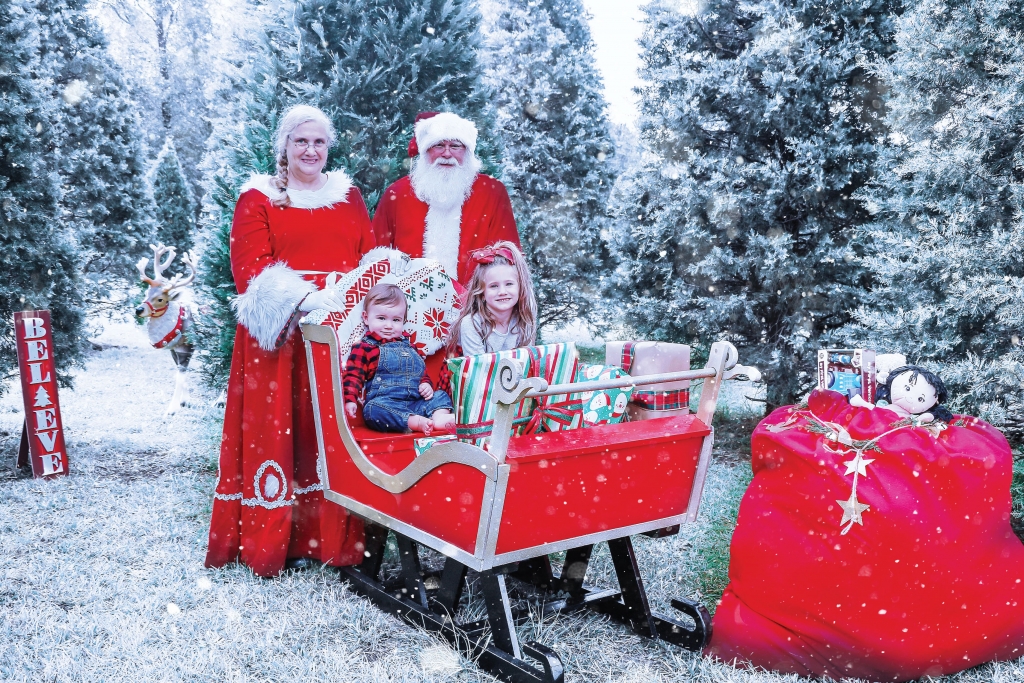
(445, 208)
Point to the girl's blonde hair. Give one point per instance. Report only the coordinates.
(294, 117)
(524, 316)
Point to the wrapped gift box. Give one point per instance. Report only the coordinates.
(590, 408)
(653, 358)
(473, 379)
(848, 371)
(422, 444)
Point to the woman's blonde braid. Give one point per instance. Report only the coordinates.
(280, 181)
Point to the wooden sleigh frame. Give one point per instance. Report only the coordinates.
(500, 533)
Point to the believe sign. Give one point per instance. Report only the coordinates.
(43, 427)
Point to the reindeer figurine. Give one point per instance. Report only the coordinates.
(170, 315)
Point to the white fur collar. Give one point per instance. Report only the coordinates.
(334, 191)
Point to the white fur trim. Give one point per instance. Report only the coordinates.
(445, 126)
(441, 237)
(399, 259)
(269, 302)
(334, 191)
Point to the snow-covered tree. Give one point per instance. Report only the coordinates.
(760, 122)
(550, 112)
(947, 244)
(377, 63)
(101, 157)
(174, 52)
(38, 262)
(175, 210)
(371, 65)
(243, 146)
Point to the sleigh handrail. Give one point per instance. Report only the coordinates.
(512, 387)
(438, 455)
(621, 383)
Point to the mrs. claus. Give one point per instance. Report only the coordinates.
(288, 232)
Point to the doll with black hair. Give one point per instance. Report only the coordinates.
(911, 391)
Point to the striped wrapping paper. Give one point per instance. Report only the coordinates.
(473, 379)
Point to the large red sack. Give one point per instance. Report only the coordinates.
(930, 581)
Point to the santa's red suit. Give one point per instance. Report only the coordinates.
(269, 504)
(401, 221)
(407, 223)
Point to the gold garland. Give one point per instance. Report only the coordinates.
(853, 509)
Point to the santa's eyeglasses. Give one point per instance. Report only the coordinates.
(450, 146)
(303, 143)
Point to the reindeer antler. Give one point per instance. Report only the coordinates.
(141, 265)
(180, 280)
(158, 251)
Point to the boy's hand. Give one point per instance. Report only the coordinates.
(426, 391)
(350, 409)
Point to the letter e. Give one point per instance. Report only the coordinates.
(37, 350)
(53, 463)
(45, 419)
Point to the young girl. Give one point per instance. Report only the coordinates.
(501, 311)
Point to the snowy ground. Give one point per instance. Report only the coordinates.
(101, 574)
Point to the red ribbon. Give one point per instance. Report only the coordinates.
(563, 413)
(173, 335)
(487, 254)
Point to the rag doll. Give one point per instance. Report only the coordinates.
(910, 391)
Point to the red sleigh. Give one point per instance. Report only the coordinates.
(500, 512)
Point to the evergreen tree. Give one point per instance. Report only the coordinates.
(947, 255)
(38, 264)
(371, 65)
(377, 63)
(175, 210)
(761, 122)
(551, 116)
(238, 153)
(101, 157)
(174, 54)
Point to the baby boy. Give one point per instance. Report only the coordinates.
(399, 395)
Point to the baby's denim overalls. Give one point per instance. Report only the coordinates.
(394, 392)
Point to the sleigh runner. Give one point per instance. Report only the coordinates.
(501, 511)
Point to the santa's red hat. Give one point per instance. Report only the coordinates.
(432, 127)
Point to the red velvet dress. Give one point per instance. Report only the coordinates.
(927, 580)
(269, 504)
(401, 218)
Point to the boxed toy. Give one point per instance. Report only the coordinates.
(848, 371)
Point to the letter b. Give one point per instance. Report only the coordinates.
(34, 328)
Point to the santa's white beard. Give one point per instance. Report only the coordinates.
(444, 189)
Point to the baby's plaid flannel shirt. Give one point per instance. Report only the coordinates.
(362, 366)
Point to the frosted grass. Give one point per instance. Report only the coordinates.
(101, 574)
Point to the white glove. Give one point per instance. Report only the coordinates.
(328, 299)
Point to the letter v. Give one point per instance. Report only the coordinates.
(48, 439)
